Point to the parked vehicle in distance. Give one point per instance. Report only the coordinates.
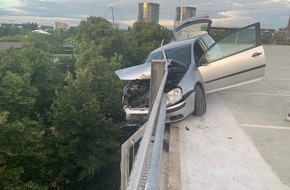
(198, 66)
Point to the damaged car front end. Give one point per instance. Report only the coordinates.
(180, 101)
(136, 101)
(197, 65)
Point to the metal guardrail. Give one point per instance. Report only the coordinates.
(154, 168)
(152, 130)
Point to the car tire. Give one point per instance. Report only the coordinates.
(200, 103)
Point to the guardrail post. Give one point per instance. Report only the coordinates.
(125, 156)
(157, 73)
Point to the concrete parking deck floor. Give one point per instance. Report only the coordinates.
(242, 142)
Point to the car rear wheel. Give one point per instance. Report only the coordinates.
(200, 103)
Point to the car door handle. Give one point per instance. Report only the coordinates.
(256, 54)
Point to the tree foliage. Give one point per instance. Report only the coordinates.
(59, 117)
(30, 26)
(9, 31)
(28, 80)
(31, 74)
(134, 45)
(144, 37)
(99, 32)
(85, 139)
(105, 83)
(23, 155)
(18, 137)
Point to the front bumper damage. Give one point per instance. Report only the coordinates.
(137, 91)
(174, 113)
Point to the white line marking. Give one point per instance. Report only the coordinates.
(265, 126)
(280, 79)
(258, 94)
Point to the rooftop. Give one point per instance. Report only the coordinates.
(7, 45)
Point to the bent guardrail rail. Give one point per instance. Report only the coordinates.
(145, 172)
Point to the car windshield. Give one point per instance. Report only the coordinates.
(181, 54)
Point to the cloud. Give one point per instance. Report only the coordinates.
(233, 18)
(271, 13)
(40, 20)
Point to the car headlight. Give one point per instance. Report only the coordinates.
(173, 96)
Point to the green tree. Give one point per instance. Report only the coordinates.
(23, 154)
(57, 40)
(94, 29)
(3, 31)
(144, 37)
(90, 106)
(47, 76)
(30, 26)
(28, 80)
(99, 32)
(100, 48)
(9, 30)
(38, 41)
(62, 140)
(41, 75)
(85, 139)
(17, 95)
(107, 87)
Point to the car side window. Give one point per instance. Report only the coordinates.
(207, 40)
(231, 44)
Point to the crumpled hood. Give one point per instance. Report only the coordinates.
(140, 72)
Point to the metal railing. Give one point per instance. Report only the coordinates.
(146, 165)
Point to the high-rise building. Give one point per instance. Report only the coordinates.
(187, 12)
(60, 26)
(285, 31)
(148, 12)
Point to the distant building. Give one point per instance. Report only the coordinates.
(60, 26)
(10, 25)
(285, 31)
(187, 12)
(148, 12)
(8, 45)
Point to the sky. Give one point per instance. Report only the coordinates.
(273, 14)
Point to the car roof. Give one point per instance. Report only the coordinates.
(174, 44)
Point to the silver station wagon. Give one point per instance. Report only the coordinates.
(198, 65)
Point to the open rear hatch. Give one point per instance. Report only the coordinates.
(192, 27)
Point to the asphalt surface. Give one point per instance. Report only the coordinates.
(242, 142)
